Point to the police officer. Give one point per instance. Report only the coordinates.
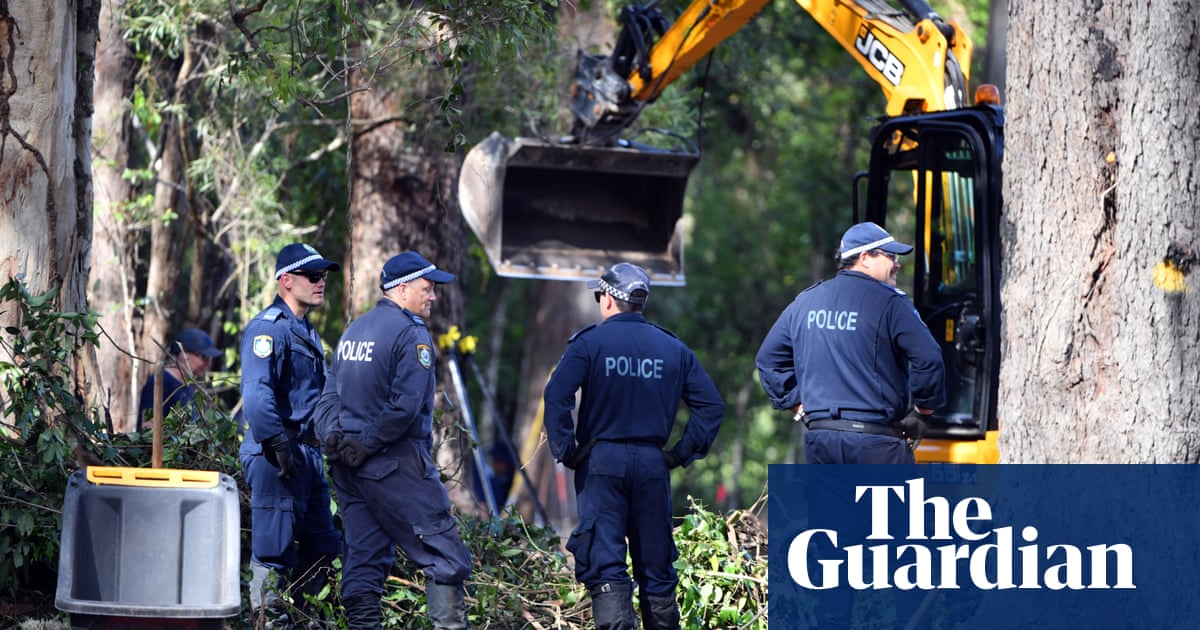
(850, 356)
(283, 373)
(376, 422)
(633, 375)
(849, 353)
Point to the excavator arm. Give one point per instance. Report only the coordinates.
(567, 209)
(920, 61)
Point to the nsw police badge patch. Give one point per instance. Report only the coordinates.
(263, 345)
(424, 355)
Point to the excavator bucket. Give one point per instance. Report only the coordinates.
(568, 211)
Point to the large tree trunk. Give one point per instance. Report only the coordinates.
(561, 309)
(1102, 186)
(172, 219)
(47, 52)
(45, 188)
(112, 286)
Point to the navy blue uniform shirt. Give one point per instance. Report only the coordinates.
(384, 375)
(175, 393)
(852, 343)
(633, 376)
(283, 371)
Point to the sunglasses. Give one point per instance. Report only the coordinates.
(880, 252)
(597, 294)
(312, 276)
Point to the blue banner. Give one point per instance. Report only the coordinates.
(944, 546)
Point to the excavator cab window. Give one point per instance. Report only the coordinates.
(934, 183)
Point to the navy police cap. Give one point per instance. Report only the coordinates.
(410, 266)
(867, 236)
(624, 281)
(301, 257)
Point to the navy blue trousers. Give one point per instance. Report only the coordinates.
(624, 494)
(396, 498)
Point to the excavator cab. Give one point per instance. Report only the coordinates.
(934, 181)
(562, 211)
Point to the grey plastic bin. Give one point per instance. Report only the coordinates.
(149, 543)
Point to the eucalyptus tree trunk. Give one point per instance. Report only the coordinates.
(112, 285)
(47, 52)
(1100, 232)
(171, 218)
(45, 167)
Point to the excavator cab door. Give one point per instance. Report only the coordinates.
(934, 182)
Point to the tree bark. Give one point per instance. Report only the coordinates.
(1102, 187)
(111, 286)
(47, 53)
(45, 193)
(171, 219)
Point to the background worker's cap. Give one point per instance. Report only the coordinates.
(624, 281)
(301, 257)
(197, 341)
(407, 267)
(867, 236)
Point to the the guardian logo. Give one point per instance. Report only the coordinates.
(943, 547)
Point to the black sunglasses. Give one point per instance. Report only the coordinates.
(312, 276)
(598, 294)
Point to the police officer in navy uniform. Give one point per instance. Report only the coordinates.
(283, 373)
(633, 375)
(851, 357)
(376, 423)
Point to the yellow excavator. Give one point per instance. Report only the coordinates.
(566, 209)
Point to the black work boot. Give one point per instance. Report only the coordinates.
(659, 612)
(362, 612)
(447, 605)
(308, 583)
(612, 607)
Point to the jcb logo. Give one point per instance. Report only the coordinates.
(884, 61)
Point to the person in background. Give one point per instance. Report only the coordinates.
(293, 540)
(186, 363)
(375, 420)
(633, 375)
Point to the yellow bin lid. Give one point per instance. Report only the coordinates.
(152, 477)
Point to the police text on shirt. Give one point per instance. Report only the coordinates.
(833, 320)
(636, 367)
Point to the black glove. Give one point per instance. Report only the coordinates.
(673, 460)
(332, 447)
(352, 453)
(576, 457)
(913, 425)
(278, 451)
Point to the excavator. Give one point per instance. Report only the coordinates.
(565, 209)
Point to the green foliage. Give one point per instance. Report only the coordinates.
(43, 420)
(722, 569)
(48, 430)
(522, 578)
